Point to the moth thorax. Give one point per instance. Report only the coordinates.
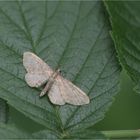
(51, 79)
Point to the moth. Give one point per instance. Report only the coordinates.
(59, 89)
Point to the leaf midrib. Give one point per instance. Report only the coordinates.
(61, 58)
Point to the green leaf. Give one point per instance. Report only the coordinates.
(73, 36)
(4, 111)
(11, 132)
(46, 134)
(77, 135)
(125, 19)
(87, 134)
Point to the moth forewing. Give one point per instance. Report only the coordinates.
(35, 80)
(38, 72)
(60, 90)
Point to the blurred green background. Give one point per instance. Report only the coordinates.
(123, 114)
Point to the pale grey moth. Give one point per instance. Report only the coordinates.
(60, 90)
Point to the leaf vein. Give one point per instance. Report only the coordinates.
(13, 23)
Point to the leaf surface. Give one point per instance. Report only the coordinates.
(125, 19)
(4, 111)
(73, 36)
(11, 132)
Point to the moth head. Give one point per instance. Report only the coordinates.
(59, 71)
